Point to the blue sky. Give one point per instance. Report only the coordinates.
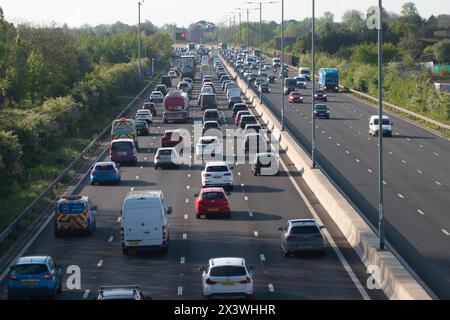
(78, 12)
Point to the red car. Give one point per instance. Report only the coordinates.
(212, 201)
(295, 97)
(171, 138)
(150, 106)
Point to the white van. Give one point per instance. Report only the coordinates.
(276, 62)
(304, 72)
(144, 221)
(374, 126)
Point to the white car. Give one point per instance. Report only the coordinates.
(207, 89)
(227, 278)
(217, 174)
(208, 146)
(145, 114)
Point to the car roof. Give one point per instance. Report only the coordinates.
(156, 92)
(377, 117)
(105, 164)
(122, 140)
(144, 194)
(215, 262)
(216, 163)
(30, 260)
(73, 199)
(208, 138)
(165, 149)
(129, 293)
(209, 122)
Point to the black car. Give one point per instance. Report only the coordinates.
(162, 88)
(272, 79)
(320, 95)
(321, 111)
(233, 101)
(142, 128)
(167, 81)
(239, 107)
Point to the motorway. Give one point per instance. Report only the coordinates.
(416, 177)
(260, 205)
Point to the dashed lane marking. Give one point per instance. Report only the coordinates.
(100, 263)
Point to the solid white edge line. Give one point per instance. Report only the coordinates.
(338, 252)
(271, 288)
(180, 291)
(86, 294)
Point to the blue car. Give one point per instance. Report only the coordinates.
(34, 277)
(104, 172)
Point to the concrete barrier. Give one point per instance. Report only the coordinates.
(396, 281)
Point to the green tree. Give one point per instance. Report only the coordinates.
(10, 153)
(354, 20)
(38, 76)
(441, 51)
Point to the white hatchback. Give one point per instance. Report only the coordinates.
(217, 174)
(227, 278)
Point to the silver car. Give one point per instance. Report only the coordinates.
(302, 235)
(167, 157)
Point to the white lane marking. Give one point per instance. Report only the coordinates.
(242, 185)
(263, 258)
(421, 212)
(419, 171)
(188, 187)
(186, 217)
(180, 291)
(100, 263)
(401, 196)
(357, 160)
(404, 162)
(111, 239)
(438, 183)
(421, 146)
(347, 152)
(323, 132)
(256, 234)
(271, 288)
(338, 144)
(187, 200)
(189, 175)
(183, 260)
(132, 189)
(246, 198)
(384, 182)
(329, 138)
(239, 173)
(145, 158)
(86, 294)
(141, 168)
(250, 214)
(184, 236)
(331, 241)
(408, 139)
(369, 170)
(446, 232)
(137, 177)
(436, 154)
(390, 153)
(119, 219)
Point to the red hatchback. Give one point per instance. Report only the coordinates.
(296, 97)
(150, 106)
(212, 201)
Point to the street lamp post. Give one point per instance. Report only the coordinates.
(313, 81)
(139, 39)
(282, 66)
(380, 128)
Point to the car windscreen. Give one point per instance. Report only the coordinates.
(217, 169)
(321, 108)
(213, 195)
(290, 82)
(207, 141)
(305, 230)
(211, 125)
(32, 268)
(121, 146)
(386, 122)
(304, 72)
(227, 271)
(72, 208)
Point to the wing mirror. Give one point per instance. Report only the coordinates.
(281, 229)
(170, 210)
(201, 269)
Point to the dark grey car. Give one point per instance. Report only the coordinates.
(302, 235)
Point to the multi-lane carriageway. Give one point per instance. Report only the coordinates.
(260, 205)
(416, 177)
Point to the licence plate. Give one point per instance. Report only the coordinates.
(122, 153)
(30, 282)
(305, 247)
(213, 209)
(217, 177)
(134, 243)
(228, 284)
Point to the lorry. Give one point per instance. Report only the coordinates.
(176, 106)
(329, 79)
(124, 129)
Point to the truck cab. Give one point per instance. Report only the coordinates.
(329, 79)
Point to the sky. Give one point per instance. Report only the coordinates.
(78, 12)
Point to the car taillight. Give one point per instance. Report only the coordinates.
(48, 276)
(157, 157)
(288, 237)
(246, 142)
(115, 171)
(12, 277)
(209, 281)
(227, 174)
(246, 281)
(93, 172)
(206, 175)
